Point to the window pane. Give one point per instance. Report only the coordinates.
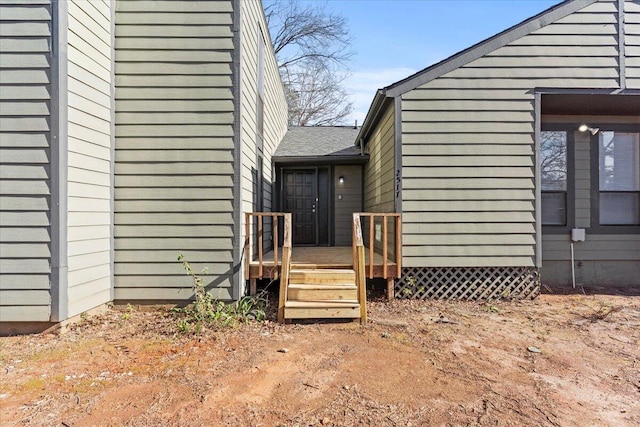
(554, 208)
(619, 208)
(619, 161)
(553, 160)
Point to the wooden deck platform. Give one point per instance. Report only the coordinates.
(321, 257)
(340, 257)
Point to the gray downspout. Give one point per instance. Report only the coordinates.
(238, 244)
(59, 162)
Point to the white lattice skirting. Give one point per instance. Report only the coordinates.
(468, 283)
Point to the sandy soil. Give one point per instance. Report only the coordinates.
(416, 363)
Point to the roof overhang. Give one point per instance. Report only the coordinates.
(322, 160)
(377, 108)
(592, 104)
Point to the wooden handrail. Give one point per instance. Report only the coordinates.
(384, 241)
(359, 266)
(248, 253)
(285, 261)
(285, 267)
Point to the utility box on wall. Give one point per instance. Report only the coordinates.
(578, 235)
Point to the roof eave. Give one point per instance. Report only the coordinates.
(371, 118)
(325, 160)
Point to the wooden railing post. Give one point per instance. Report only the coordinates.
(385, 249)
(362, 285)
(247, 244)
(372, 221)
(359, 266)
(274, 227)
(285, 267)
(260, 245)
(398, 245)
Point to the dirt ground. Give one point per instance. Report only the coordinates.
(562, 360)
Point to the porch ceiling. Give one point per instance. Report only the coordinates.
(591, 104)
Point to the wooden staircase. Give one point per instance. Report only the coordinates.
(311, 290)
(321, 293)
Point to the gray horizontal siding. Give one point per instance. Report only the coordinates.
(174, 147)
(379, 171)
(25, 115)
(90, 158)
(468, 142)
(599, 261)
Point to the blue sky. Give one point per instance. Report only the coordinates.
(396, 38)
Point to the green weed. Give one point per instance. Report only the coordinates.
(208, 311)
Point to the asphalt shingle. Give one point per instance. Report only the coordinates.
(319, 141)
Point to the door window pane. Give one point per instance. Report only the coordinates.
(553, 160)
(619, 160)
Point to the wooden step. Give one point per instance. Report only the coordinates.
(322, 292)
(321, 310)
(320, 266)
(322, 276)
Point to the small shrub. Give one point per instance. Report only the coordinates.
(206, 310)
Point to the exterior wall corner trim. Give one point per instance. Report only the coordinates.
(59, 161)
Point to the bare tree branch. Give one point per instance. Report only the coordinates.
(312, 46)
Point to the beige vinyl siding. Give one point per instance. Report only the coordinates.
(379, 171)
(89, 161)
(25, 170)
(174, 148)
(632, 42)
(468, 142)
(253, 30)
(347, 200)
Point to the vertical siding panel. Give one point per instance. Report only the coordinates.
(174, 147)
(578, 51)
(25, 232)
(89, 145)
(582, 180)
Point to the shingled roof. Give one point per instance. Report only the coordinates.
(319, 143)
